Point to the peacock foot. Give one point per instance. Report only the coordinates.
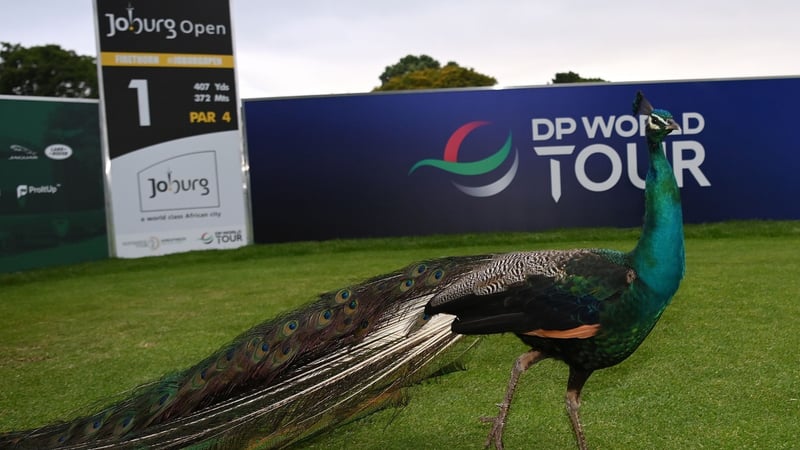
(495, 437)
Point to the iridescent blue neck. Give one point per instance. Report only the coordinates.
(659, 256)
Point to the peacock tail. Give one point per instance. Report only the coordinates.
(347, 353)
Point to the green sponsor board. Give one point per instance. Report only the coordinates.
(52, 205)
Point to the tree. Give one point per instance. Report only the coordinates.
(46, 70)
(407, 64)
(424, 72)
(572, 77)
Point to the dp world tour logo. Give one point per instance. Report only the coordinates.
(450, 163)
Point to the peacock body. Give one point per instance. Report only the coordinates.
(589, 308)
(350, 351)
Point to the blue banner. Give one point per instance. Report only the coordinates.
(519, 159)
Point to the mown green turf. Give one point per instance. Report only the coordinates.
(721, 369)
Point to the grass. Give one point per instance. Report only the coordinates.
(720, 370)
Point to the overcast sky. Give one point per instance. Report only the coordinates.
(308, 47)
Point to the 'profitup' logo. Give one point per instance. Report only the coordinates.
(23, 190)
(26, 190)
(449, 163)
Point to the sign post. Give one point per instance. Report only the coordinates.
(176, 175)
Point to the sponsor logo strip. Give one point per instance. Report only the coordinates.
(144, 59)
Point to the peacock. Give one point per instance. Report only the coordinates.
(351, 350)
(590, 308)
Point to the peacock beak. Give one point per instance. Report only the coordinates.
(673, 126)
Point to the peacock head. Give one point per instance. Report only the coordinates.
(659, 121)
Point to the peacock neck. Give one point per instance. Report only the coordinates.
(659, 255)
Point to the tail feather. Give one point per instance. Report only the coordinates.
(347, 352)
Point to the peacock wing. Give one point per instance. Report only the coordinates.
(557, 294)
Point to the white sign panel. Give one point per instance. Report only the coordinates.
(176, 175)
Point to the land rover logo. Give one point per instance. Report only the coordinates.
(58, 151)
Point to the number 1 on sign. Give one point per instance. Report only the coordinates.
(142, 100)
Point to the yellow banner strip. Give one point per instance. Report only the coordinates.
(166, 60)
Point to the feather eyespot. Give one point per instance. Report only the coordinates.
(199, 379)
(96, 422)
(361, 329)
(421, 269)
(324, 318)
(160, 403)
(343, 296)
(124, 424)
(260, 349)
(419, 322)
(223, 362)
(436, 276)
(343, 326)
(286, 352)
(351, 307)
(290, 327)
(406, 285)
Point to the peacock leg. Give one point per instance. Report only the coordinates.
(498, 423)
(577, 378)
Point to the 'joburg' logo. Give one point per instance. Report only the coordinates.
(187, 181)
(449, 163)
(169, 27)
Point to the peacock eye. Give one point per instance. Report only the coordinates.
(658, 120)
